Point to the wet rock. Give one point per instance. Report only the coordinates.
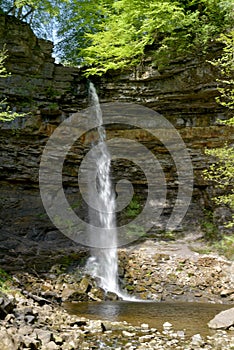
(68, 293)
(77, 296)
(85, 285)
(178, 291)
(224, 320)
(97, 294)
(111, 296)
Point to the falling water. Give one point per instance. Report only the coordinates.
(103, 263)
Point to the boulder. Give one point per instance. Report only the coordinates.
(85, 285)
(111, 296)
(224, 320)
(96, 294)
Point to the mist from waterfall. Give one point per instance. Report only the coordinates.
(103, 263)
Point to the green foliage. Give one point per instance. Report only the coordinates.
(76, 20)
(226, 65)
(168, 235)
(3, 57)
(6, 115)
(209, 227)
(222, 173)
(5, 281)
(112, 34)
(134, 208)
(176, 28)
(135, 231)
(226, 246)
(131, 25)
(222, 170)
(51, 92)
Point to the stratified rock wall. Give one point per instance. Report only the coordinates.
(184, 93)
(36, 82)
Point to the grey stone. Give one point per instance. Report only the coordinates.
(224, 320)
(51, 346)
(44, 336)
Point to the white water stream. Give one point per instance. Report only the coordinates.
(103, 263)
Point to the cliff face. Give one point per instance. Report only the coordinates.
(36, 82)
(184, 93)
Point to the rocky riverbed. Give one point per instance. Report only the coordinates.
(32, 315)
(167, 271)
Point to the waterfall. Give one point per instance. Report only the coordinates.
(103, 263)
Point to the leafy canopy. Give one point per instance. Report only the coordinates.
(77, 19)
(112, 34)
(40, 14)
(174, 27)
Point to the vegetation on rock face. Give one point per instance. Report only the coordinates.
(5, 281)
(6, 115)
(222, 170)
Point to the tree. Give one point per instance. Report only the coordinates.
(176, 28)
(226, 65)
(112, 34)
(222, 170)
(76, 20)
(40, 14)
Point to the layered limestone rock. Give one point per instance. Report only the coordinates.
(184, 93)
(36, 83)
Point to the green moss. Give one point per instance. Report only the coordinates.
(226, 246)
(5, 281)
(129, 287)
(134, 207)
(50, 92)
(209, 228)
(136, 231)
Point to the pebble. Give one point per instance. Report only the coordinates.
(167, 325)
(144, 326)
(197, 339)
(128, 334)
